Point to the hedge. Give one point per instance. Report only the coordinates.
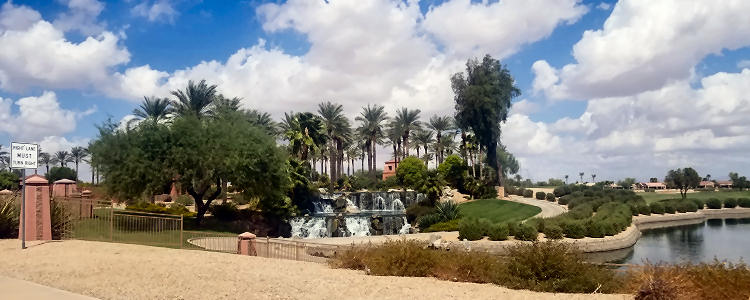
(553, 231)
(644, 209)
(657, 208)
(669, 208)
(713, 203)
(541, 195)
(550, 197)
(469, 229)
(526, 233)
(528, 193)
(574, 229)
(498, 232)
(744, 202)
(730, 203)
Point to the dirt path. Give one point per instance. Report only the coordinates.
(120, 271)
(549, 209)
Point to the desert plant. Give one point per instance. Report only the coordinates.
(716, 280)
(498, 232)
(447, 210)
(553, 231)
(541, 195)
(730, 203)
(713, 203)
(428, 220)
(470, 229)
(526, 233)
(9, 213)
(574, 229)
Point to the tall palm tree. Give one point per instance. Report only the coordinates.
(372, 120)
(337, 129)
(154, 109)
(62, 158)
(76, 155)
(423, 139)
(593, 178)
(352, 153)
(581, 174)
(304, 131)
(45, 159)
(195, 99)
(408, 121)
(262, 120)
(440, 124)
(566, 179)
(394, 137)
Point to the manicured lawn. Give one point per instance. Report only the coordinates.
(653, 197)
(498, 210)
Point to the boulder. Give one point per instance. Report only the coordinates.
(339, 204)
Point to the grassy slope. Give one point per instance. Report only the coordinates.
(653, 197)
(498, 210)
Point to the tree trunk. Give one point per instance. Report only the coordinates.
(369, 158)
(224, 186)
(374, 146)
(492, 160)
(200, 207)
(76, 171)
(406, 143)
(340, 158)
(93, 170)
(333, 161)
(439, 149)
(479, 159)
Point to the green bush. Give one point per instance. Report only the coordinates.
(550, 197)
(425, 221)
(470, 229)
(574, 229)
(512, 228)
(9, 180)
(563, 200)
(553, 231)
(526, 233)
(447, 210)
(226, 212)
(594, 229)
(744, 202)
(417, 210)
(184, 200)
(657, 208)
(451, 225)
(699, 204)
(455, 171)
(411, 172)
(713, 203)
(685, 206)
(730, 203)
(57, 173)
(498, 232)
(669, 208)
(528, 193)
(9, 213)
(541, 195)
(644, 209)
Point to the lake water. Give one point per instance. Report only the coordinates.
(725, 239)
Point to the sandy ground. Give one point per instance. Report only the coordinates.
(549, 209)
(121, 271)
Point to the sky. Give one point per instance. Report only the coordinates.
(628, 88)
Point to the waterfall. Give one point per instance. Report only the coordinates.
(315, 227)
(405, 229)
(321, 207)
(357, 226)
(397, 205)
(378, 203)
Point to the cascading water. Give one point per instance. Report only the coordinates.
(315, 227)
(357, 226)
(405, 229)
(397, 205)
(378, 203)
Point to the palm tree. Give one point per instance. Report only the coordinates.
(262, 120)
(352, 152)
(423, 138)
(439, 124)
(195, 100)
(45, 159)
(62, 158)
(4, 159)
(76, 155)
(304, 131)
(593, 178)
(393, 138)
(372, 119)
(581, 174)
(154, 109)
(566, 179)
(337, 128)
(408, 121)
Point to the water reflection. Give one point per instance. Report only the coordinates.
(716, 238)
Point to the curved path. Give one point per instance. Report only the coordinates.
(549, 209)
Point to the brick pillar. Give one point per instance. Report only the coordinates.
(246, 244)
(38, 222)
(500, 192)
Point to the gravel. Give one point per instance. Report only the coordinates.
(122, 271)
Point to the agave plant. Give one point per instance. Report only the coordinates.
(447, 210)
(8, 217)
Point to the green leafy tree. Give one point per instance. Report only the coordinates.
(411, 173)
(483, 98)
(305, 133)
(738, 182)
(423, 139)
(8, 180)
(627, 182)
(57, 173)
(682, 179)
(454, 170)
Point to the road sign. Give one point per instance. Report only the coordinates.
(23, 155)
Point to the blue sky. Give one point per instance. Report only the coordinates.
(588, 99)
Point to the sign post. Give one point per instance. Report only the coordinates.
(23, 156)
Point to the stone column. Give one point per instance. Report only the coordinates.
(38, 221)
(246, 244)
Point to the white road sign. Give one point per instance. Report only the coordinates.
(23, 156)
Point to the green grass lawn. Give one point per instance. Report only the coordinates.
(498, 210)
(654, 197)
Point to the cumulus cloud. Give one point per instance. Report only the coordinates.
(81, 16)
(742, 64)
(604, 6)
(156, 11)
(38, 117)
(643, 47)
(35, 53)
(469, 28)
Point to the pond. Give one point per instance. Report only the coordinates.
(724, 239)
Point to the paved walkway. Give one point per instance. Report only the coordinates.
(15, 289)
(549, 209)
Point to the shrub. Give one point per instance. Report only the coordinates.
(59, 220)
(553, 231)
(541, 195)
(447, 210)
(9, 213)
(574, 229)
(686, 206)
(563, 200)
(226, 212)
(699, 204)
(451, 225)
(594, 229)
(644, 209)
(669, 208)
(528, 193)
(57, 173)
(713, 203)
(454, 171)
(417, 210)
(392, 258)
(550, 197)
(716, 280)
(469, 229)
(520, 191)
(526, 233)
(411, 172)
(498, 232)
(512, 228)
(185, 200)
(657, 208)
(511, 190)
(744, 202)
(730, 203)
(428, 220)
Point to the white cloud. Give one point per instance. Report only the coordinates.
(34, 53)
(743, 64)
(644, 45)
(156, 11)
(38, 117)
(524, 107)
(604, 6)
(81, 16)
(469, 28)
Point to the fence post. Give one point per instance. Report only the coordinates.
(111, 223)
(268, 247)
(181, 227)
(296, 250)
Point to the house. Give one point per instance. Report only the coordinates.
(705, 184)
(653, 185)
(389, 169)
(724, 184)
